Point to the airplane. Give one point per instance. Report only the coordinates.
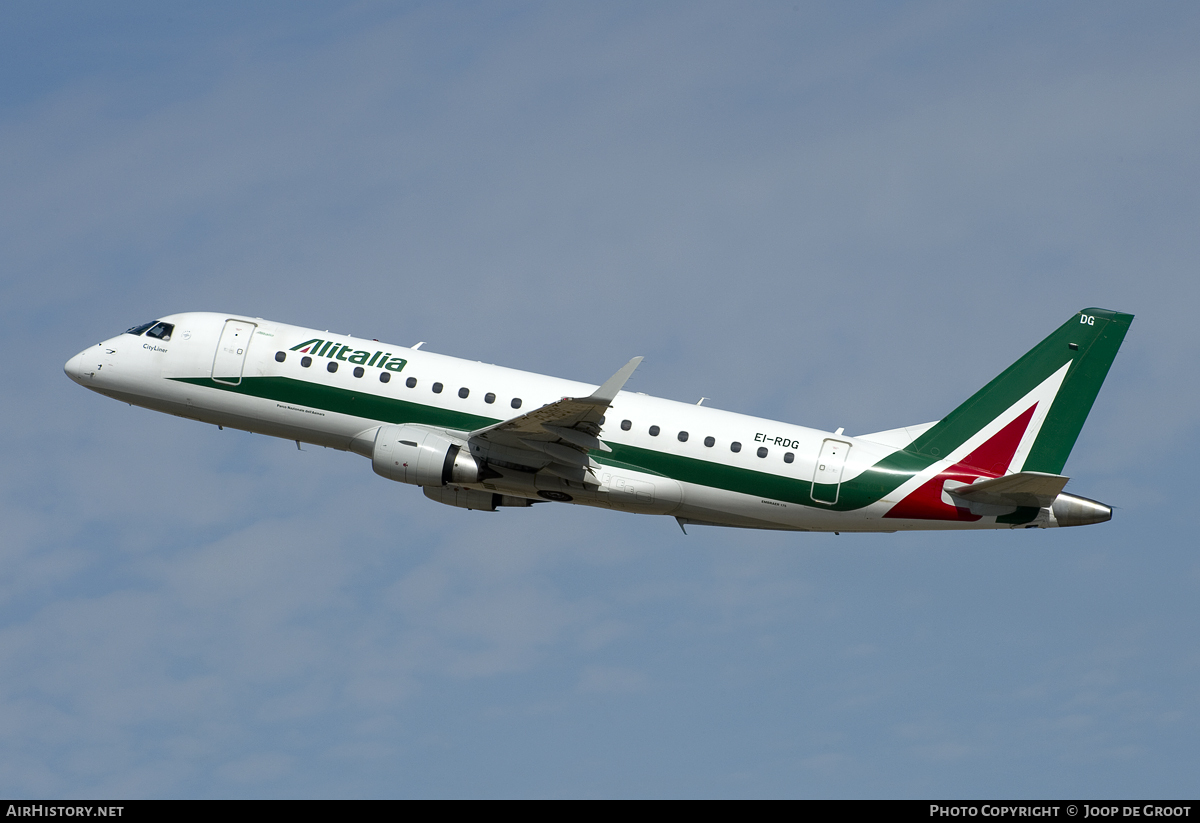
(485, 437)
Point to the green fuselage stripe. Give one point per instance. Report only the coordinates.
(861, 491)
(854, 493)
(347, 401)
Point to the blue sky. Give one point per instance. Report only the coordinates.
(837, 215)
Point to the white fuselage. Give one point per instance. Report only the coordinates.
(669, 458)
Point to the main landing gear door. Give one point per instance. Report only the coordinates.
(231, 351)
(827, 476)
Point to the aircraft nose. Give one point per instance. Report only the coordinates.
(74, 368)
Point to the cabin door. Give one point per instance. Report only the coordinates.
(231, 351)
(827, 476)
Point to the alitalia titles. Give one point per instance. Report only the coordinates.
(333, 350)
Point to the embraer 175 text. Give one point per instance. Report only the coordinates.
(480, 436)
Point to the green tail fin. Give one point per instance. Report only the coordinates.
(1086, 344)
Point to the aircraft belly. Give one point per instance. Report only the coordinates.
(626, 491)
(712, 506)
(640, 493)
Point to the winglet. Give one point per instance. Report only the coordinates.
(608, 392)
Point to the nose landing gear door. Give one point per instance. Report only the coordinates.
(231, 351)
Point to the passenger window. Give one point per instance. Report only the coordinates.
(306, 361)
(359, 371)
(385, 376)
(490, 397)
(162, 331)
(411, 382)
(789, 457)
(280, 356)
(762, 451)
(683, 436)
(516, 403)
(463, 392)
(626, 425)
(654, 431)
(437, 388)
(735, 447)
(140, 330)
(710, 442)
(332, 367)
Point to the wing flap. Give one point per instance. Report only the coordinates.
(579, 438)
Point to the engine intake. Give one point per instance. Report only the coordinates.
(423, 457)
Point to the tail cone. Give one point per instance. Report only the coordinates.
(1070, 510)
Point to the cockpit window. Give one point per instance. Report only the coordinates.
(162, 331)
(142, 328)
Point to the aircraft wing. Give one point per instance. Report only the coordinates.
(1021, 489)
(563, 431)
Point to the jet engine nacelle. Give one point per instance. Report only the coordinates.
(423, 457)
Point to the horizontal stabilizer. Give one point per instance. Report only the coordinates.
(1036, 489)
